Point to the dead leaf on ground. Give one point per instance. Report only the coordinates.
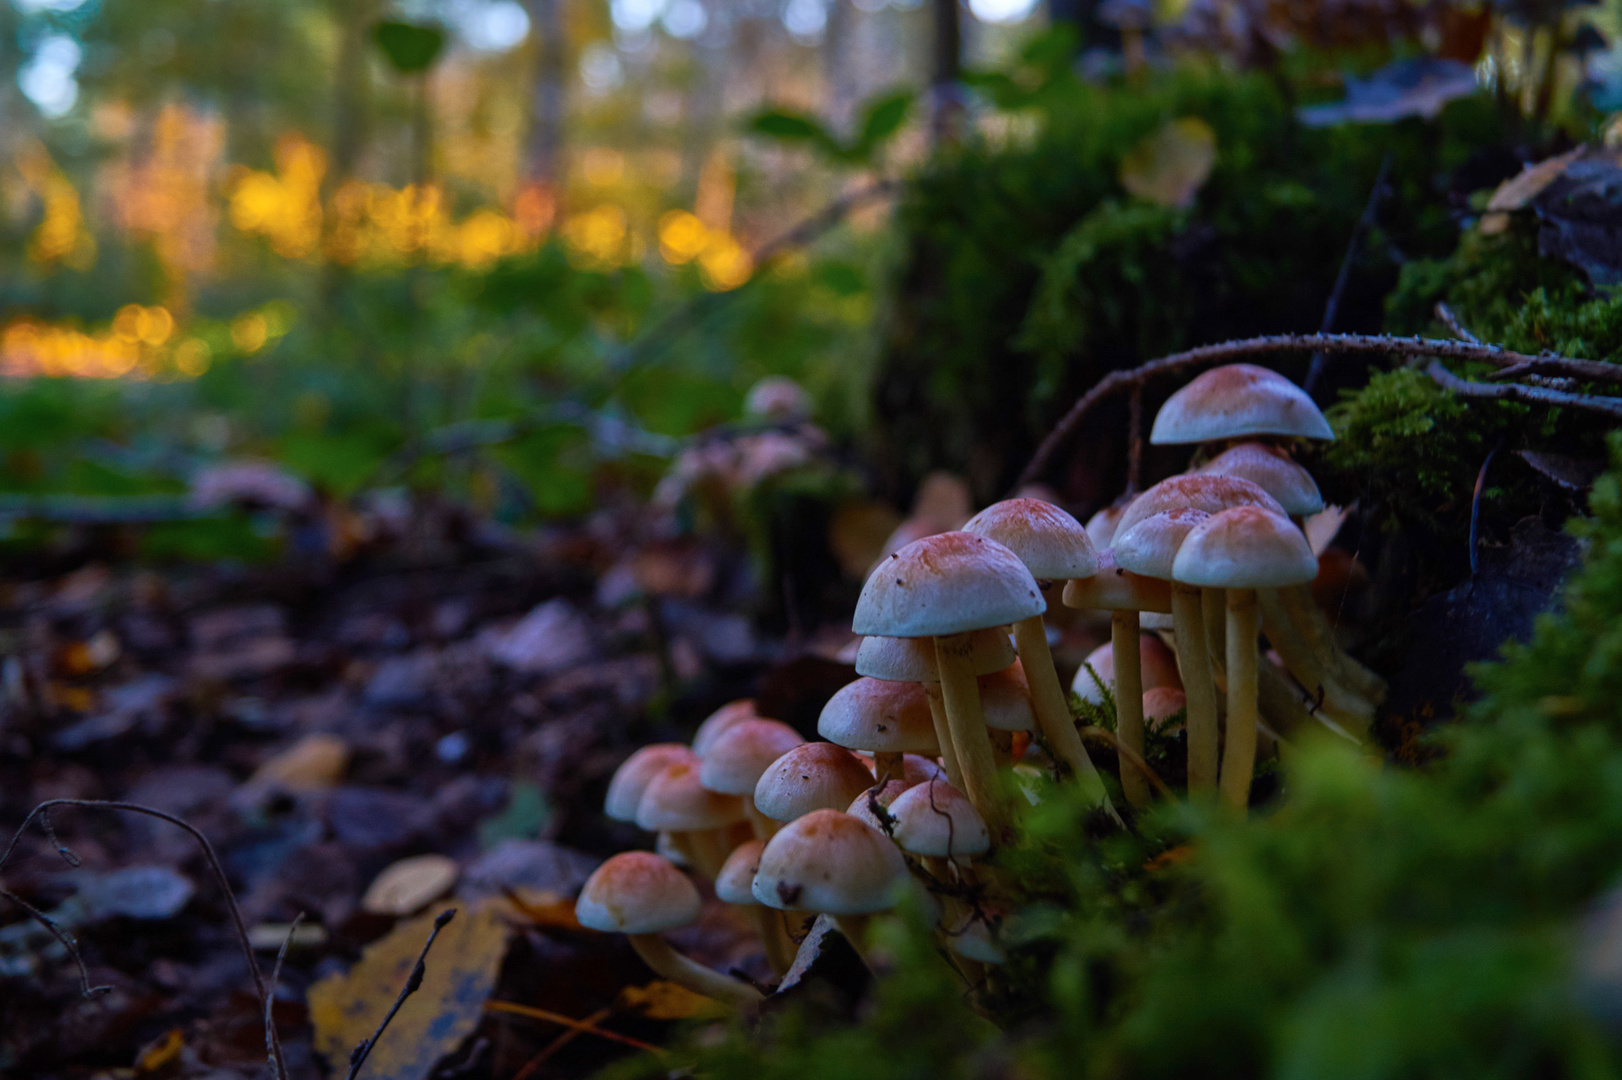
(663, 1000)
(311, 764)
(461, 973)
(1514, 193)
(1170, 165)
(408, 886)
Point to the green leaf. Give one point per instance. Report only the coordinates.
(410, 48)
(788, 126)
(884, 117)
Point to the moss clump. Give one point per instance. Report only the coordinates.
(1378, 922)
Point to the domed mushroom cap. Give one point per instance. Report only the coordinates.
(1245, 548)
(1159, 666)
(631, 779)
(1234, 401)
(916, 769)
(902, 659)
(880, 716)
(732, 884)
(1052, 544)
(1005, 696)
(1213, 494)
(1115, 588)
(937, 820)
(777, 398)
(1272, 470)
(721, 719)
(947, 584)
(813, 776)
(1102, 525)
(830, 862)
(862, 806)
(676, 800)
(637, 892)
(1150, 546)
(1161, 704)
(735, 758)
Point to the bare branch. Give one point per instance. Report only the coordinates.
(63, 937)
(1445, 315)
(413, 983)
(1531, 395)
(273, 1041)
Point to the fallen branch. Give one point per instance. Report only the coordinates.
(42, 812)
(1531, 395)
(1366, 344)
(358, 1056)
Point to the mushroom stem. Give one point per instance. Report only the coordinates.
(779, 949)
(708, 849)
(1212, 607)
(1195, 663)
(854, 929)
(960, 695)
(1129, 700)
(1239, 758)
(1308, 666)
(1052, 708)
(763, 827)
(887, 766)
(666, 961)
(1308, 618)
(1002, 747)
(943, 735)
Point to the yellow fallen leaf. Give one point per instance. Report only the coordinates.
(1170, 165)
(160, 1051)
(663, 1000)
(408, 886)
(460, 974)
(314, 762)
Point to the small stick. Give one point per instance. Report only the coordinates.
(1531, 395)
(63, 937)
(585, 1027)
(273, 1042)
(358, 1057)
(564, 1039)
(1475, 502)
(1447, 318)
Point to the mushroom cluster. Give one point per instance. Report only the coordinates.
(958, 694)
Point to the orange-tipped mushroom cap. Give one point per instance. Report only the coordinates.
(734, 759)
(1272, 470)
(637, 892)
(1213, 494)
(1245, 548)
(1161, 704)
(937, 820)
(1150, 546)
(1234, 401)
(737, 874)
(1052, 544)
(814, 776)
(1115, 588)
(880, 716)
(830, 862)
(677, 801)
(862, 805)
(903, 659)
(1006, 698)
(947, 584)
(721, 719)
(631, 779)
(1158, 662)
(1102, 525)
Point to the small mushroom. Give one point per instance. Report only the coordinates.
(732, 886)
(698, 819)
(1238, 401)
(734, 759)
(1160, 705)
(721, 719)
(884, 717)
(638, 894)
(812, 776)
(935, 820)
(631, 779)
(1159, 665)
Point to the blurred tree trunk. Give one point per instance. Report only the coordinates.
(352, 90)
(543, 156)
(945, 91)
(836, 73)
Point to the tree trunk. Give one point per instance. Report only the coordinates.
(945, 93)
(543, 156)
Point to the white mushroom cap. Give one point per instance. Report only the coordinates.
(732, 884)
(935, 819)
(880, 716)
(1235, 401)
(1162, 703)
(916, 769)
(947, 584)
(1159, 666)
(973, 940)
(813, 776)
(1052, 544)
(1272, 470)
(721, 719)
(637, 892)
(734, 759)
(1212, 494)
(1101, 526)
(677, 801)
(1150, 546)
(1005, 696)
(830, 862)
(1246, 548)
(631, 779)
(902, 659)
(862, 806)
(1115, 588)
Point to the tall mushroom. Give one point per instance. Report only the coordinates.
(1054, 547)
(944, 587)
(1241, 550)
(641, 895)
(733, 761)
(883, 717)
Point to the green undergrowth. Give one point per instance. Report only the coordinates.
(1371, 921)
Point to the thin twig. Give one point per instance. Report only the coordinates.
(569, 1022)
(42, 812)
(1447, 318)
(1102, 734)
(1368, 344)
(1353, 246)
(1547, 365)
(1530, 395)
(273, 1041)
(1475, 500)
(358, 1057)
(564, 1038)
(63, 937)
